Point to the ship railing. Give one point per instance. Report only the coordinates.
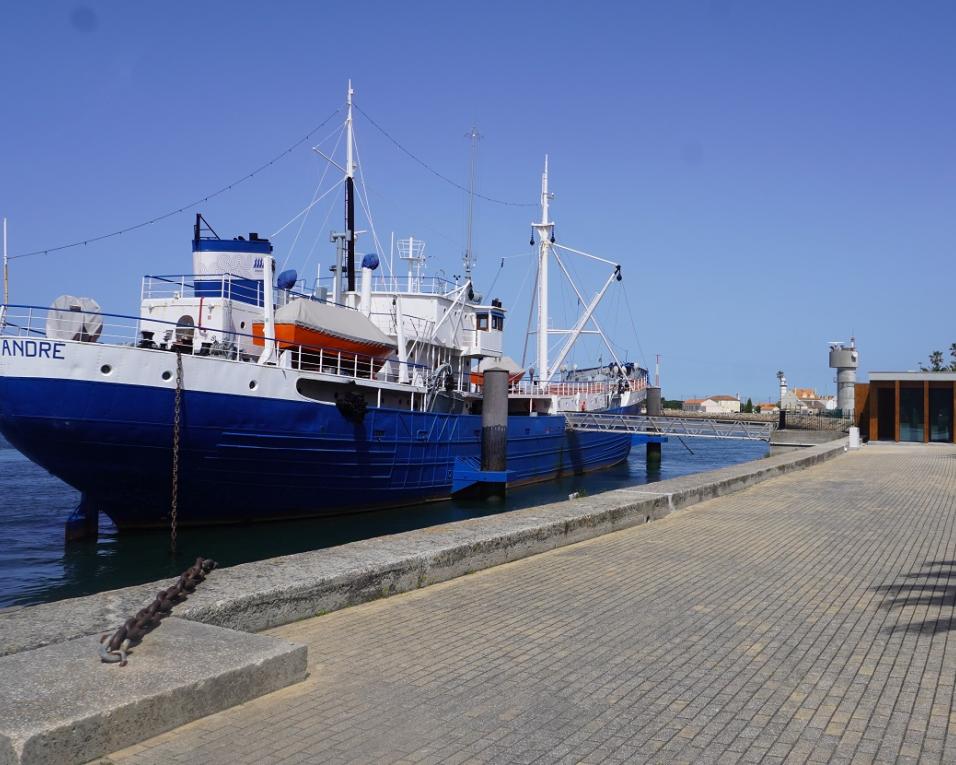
(356, 366)
(424, 285)
(34, 322)
(228, 286)
(247, 290)
(57, 324)
(176, 286)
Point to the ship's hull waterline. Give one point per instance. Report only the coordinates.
(253, 457)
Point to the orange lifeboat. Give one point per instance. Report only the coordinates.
(313, 325)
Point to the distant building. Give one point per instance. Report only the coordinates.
(767, 406)
(803, 400)
(713, 404)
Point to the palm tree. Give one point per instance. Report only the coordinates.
(936, 360)
(952, 352)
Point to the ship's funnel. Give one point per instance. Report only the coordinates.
(230, 268)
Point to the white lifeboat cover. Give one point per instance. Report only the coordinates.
(333, 320)
(74, 318)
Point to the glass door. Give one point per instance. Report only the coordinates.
(941, 414)
(911, 413)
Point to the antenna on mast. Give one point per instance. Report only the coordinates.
(469, 259)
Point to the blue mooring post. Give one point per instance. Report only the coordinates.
(494, 428)
(654, 409)
(83, 523)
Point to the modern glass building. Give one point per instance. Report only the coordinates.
(907, 406)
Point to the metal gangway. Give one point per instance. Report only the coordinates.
(639, 424)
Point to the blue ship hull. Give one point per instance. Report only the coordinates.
(249, 459)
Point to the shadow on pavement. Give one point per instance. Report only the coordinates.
(936, 592)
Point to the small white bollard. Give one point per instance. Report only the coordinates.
(854, 437)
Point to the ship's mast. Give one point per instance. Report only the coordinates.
(349, 196)
(545, 231)
(469, 258)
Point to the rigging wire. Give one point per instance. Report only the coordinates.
(367, 207)
(497, 274)
(308, 258)
(637, 337)
(534, 296)
(557, 344)
(306, 209)
(617, 324)
(185, 207)
(434, 172)
(398, 202)
(314, 202)
(501, 267)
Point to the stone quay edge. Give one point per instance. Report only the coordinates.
(62, 705)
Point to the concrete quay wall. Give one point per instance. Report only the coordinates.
(255, 596)
(784, 441)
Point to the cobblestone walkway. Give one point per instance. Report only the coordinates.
(805, 619)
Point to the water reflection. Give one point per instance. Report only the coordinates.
(36, 566)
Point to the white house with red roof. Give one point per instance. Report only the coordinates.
(721, 404)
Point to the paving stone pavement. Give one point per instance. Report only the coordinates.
(806, 619)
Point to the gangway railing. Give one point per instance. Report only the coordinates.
(637, 424)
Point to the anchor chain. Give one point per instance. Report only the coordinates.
(177, 419)
(116, 648)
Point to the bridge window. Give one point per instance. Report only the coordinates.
(497, 321)
(481, 321)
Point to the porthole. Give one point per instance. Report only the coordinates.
(106, 369)
(167, 375)
(242, 325)
(253, 385)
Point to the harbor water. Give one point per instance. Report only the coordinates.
(36, 566)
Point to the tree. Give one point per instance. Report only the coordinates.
(936, 361)
(748, 407)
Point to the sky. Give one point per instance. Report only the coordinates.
(770, 176)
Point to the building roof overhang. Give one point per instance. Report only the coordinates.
(912, 376)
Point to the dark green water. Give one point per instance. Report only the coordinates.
(36, 566)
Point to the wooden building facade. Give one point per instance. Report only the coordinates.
(907, 406)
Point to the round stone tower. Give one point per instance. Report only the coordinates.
(845, 359)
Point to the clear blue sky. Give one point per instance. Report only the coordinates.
(771, 176)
